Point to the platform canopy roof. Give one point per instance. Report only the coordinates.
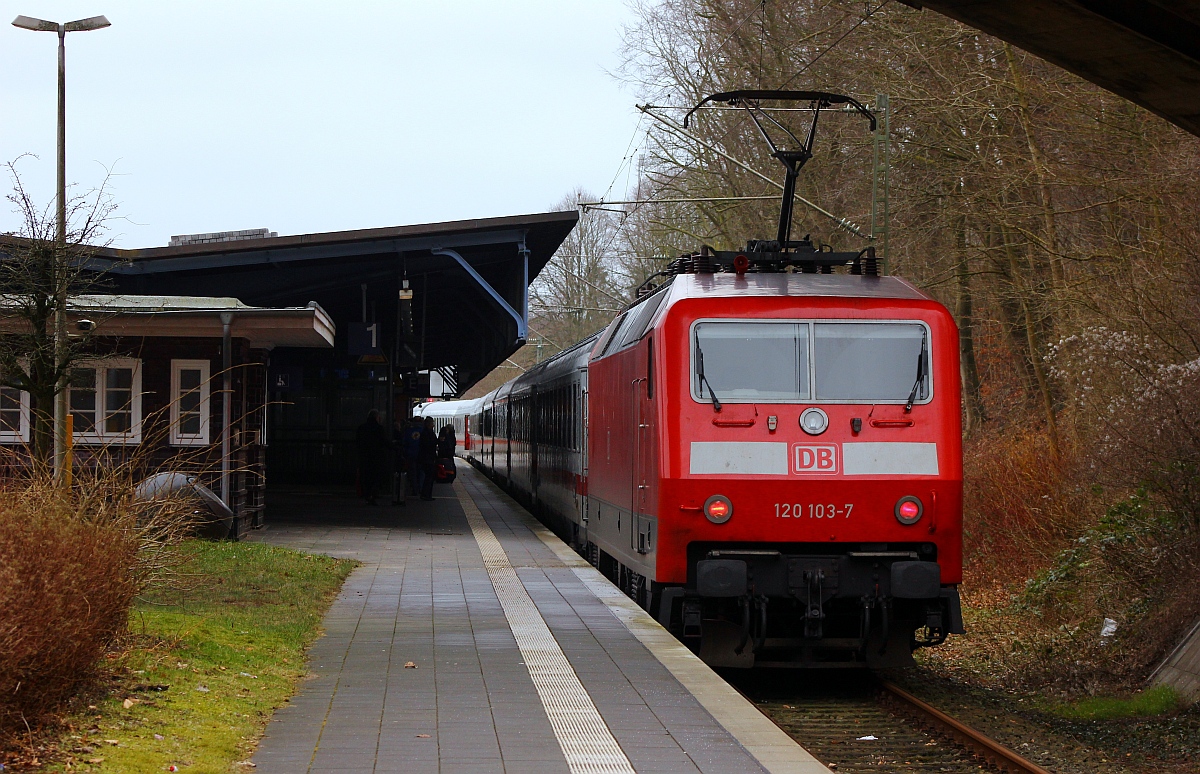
(1147, 51)
(469, 282)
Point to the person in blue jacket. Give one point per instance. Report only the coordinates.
(410, 447)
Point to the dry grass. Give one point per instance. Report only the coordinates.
(71, 563)
(1021, 507)
(66, 582)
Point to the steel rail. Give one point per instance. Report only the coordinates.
(986, 749)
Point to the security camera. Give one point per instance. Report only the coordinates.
(85, 325)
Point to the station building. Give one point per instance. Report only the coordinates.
(251, 358)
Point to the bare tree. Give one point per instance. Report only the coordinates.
(576, 294)
(1031, 202)
(37, 272)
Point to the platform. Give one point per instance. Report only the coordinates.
(473, 640)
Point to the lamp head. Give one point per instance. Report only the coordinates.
(79, 25)
(37, 25)
(84, 25)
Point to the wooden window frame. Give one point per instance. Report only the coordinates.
(204, 437)
(24, 425)
(99, 437)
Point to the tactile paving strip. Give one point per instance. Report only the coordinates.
(584, 737)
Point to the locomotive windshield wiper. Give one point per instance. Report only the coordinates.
(912, 396)
(703, 379)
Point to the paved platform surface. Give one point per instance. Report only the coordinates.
(472, 640)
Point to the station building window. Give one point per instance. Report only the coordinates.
(105, 400)
(14, 415)
(190, 402)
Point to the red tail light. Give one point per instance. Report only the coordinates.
(909, 510)
(718, 509)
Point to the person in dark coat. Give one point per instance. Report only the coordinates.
(372, 442)
(427, 458)
(446, 443)
(400, 462)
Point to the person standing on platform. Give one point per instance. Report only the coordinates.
(427, 458)
(400, 461)
(372, 442)
(411, 444)
(447, 443)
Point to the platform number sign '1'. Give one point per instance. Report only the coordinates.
(814, 459)
(362, 338)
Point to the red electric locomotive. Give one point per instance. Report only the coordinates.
(763, 453)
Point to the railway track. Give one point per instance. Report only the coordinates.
(858, 723)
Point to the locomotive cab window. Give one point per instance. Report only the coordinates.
(871, 361)
(826, 362)
(745, 362)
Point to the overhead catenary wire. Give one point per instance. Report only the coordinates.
(627, 157)
(631, 207)
(571, 308)
(761, 7)
(587, 282)
(738, 28)
(682, 200)
(679, 130)
(835, 44)
(637, 203)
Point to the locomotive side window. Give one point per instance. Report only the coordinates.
(869, 361)
(617, 330)
(631, 326)
(640, 318)
(751, 361)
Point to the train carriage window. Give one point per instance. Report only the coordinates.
(870, 361)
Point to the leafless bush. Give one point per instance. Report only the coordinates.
(1137, 405)
(1020, 508)
(67, 578)
(73, 559)
(1130, 554)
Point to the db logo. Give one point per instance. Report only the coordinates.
(814, 459)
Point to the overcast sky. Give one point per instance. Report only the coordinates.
(317, 116)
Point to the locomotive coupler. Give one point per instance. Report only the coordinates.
(814, 613)
(868, 602)
(885, 608)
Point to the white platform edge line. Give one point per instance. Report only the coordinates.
(777, 752)
(584, 737)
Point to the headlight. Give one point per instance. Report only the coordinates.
(814, 421)
(718, 509)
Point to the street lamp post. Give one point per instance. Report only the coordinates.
(60, 283)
